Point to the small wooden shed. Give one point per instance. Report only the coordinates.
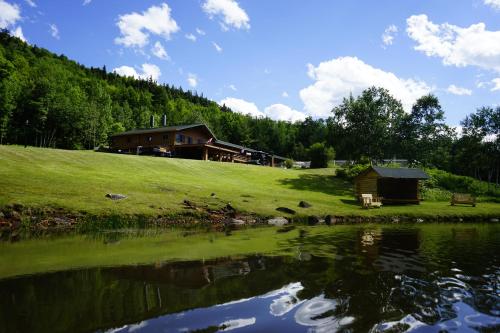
(393, 185)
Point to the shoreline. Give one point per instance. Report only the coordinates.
(18, 221)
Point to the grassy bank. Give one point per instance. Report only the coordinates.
(77, 181)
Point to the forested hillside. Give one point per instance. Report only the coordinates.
(50, 101)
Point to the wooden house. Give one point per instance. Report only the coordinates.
(392, 185)
(194, 141)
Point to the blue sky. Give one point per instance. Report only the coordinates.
(282, 58)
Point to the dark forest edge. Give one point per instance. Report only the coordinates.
(47, 100)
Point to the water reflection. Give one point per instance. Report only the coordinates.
(355, 279)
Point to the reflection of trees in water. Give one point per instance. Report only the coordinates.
(352, 273)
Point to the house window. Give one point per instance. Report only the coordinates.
(179, 138)
(190, 140)
(149, 139)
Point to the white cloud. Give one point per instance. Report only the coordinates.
(200, 32)
(284, 112)
(18, 32)
(232, 15)
(86, 2)
(496, 84)
(135, 28)
(9, 14)
(389, 33)
(232, 87)
(217, 47)
(54, 31)
(159, 51)
(191, 37)
(275, 111)
(284, 94)
(453, 89)
(337, 78)
(31, 3)
(192, 80)
(148, 71)
(242, 106)
(495, 4)
(472, 46)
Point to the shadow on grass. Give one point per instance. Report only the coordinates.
(320, 183)
(351, 202)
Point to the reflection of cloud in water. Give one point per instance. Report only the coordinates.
(129, 328)
(292, 288)
(288, 301)
(464, 314)
(237, 323)
(317, 312)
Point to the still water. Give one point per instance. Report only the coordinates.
(349, 279)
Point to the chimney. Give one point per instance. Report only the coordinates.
(152, 121)
(164, 120)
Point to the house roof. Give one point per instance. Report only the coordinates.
(164, 129)
(401, 173)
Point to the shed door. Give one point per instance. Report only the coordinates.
(394, 188)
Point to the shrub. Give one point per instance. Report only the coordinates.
(461, 184)
(320, 155)
(289, 163)
(351, 171)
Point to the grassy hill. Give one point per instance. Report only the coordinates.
(79, 180)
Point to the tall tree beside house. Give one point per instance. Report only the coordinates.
(424, 135)
(369, 124)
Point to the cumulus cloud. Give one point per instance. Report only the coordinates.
(496, 84)
(229, 12)
(200, 32)
(495, 4)
(389, 34)
(232, 87)
(148, 71)
(191, 37)
(274, 111)
(337, 78)
(192, 80)
(9, 14)
(135, 28)
(242, 106)
(159, 51)
(284, 94)
(457, 46)
(31, 3)
(54, 31)
(86, 2)
(453, 89)
(283, 112)
(217, 47)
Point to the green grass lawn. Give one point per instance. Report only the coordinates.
(79, 180)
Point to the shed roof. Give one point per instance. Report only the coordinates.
(406, 173)
(164, 129)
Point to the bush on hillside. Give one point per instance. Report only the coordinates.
(460, 184)
(320, 155)
(349, 172)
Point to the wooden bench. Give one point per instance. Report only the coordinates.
(463, 198)
(368, 201)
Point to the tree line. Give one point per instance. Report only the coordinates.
(48, 100)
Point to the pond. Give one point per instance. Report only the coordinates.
(368, 278)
